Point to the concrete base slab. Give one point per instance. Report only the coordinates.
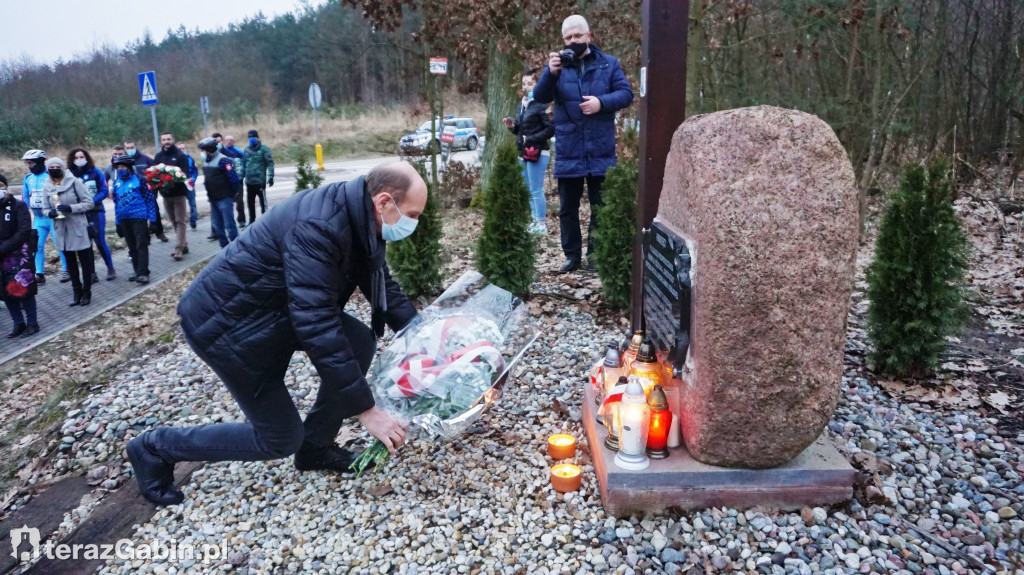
(818, 476)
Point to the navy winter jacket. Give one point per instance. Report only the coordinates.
(282, 285)
(585, 145)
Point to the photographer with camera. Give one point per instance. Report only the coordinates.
(587, 87)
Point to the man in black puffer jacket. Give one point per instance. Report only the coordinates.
(279, 288)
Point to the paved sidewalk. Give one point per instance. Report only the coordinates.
(55, 316)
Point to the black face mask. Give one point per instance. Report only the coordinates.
(578, 48)
(56, 174)
(37, 168)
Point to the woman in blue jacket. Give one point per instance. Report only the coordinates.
(84, 169)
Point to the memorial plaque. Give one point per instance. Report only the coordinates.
(667, 283)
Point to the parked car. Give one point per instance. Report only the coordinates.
(466, 136)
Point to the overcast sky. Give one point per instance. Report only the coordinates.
(52, 29)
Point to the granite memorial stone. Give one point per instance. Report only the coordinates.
(764, 201)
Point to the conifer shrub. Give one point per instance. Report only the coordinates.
(416, 261)
(916, 280)
(616, 226)
(505, 250)
(306, 177)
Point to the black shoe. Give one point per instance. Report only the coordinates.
(142, 279)
(154, 474)
(40, 279)
(95, 278)
(19, 328)
(590, 267)
(111, 274)
(65, 277)
(86, 297)
(193, 226)
(570, 265)
(133, 277)
(330, 458)
(32, 329)
(211, 237)
(162, 237)
(77, 299)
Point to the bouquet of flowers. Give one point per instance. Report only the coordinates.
(448, 366)
(162, 177)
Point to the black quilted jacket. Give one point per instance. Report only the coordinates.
(282, 285)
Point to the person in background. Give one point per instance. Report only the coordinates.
(193, 175)
(221, 180)
(17, 266)
(228, 148)
(142, 161)
(258, 173)
(533, 129)
(67, 196)
(175, 196)
(587, 93)
(32, 194)
(83, 168)
(134, 209)
(108, 172)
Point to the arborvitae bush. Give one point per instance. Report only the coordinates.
(306, 177)
(616, 226)
(505, 250)
(416, 260)
(916, 281)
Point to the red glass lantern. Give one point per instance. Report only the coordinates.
(661, 422)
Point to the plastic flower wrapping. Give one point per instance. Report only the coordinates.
(449, 365)
(162, 176)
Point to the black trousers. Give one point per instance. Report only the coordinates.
(85, 258)
(570, 192)
(240, 206)
(157, 227)
(253, 191)
(136, 235)
(273, 427)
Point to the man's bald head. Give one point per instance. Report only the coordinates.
(396, 185)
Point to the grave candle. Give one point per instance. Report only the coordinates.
(661, 420)
(635, 418)
(561, 446)
(566, 477)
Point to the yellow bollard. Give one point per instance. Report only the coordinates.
(319, 157)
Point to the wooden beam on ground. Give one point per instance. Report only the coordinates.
(44, 512)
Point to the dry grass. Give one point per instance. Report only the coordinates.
(344, 133)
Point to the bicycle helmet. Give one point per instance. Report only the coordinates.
(123, 160)
(34, 155)
(207, 145)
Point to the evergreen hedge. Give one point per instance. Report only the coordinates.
(416, 261)
(916, 280)
(505, 250)
(616, 228)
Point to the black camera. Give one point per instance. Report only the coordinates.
(567, 57)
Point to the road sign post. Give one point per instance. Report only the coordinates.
(315, 97)
(204, 107)
(147, 91)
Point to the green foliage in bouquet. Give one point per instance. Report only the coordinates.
(306, 177)
(616, 227)
(505, 250)
(416, 260)
(916, 281)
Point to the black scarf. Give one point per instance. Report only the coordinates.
(361, 214)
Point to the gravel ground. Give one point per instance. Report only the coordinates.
(940, 491)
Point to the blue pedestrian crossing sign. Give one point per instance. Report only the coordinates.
(147, 88)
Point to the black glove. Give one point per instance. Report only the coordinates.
(270, 183)
(119, 230)
(51, 214)
(64, 209)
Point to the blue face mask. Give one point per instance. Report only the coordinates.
(529, 94)
(131, 152)
(401, 229)
(122, 173)
(254, 141)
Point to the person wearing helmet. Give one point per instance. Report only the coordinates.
(68, 200)
(222, 181)
(134, 209)
(32, 194)
(142, 161)
(17, 272)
